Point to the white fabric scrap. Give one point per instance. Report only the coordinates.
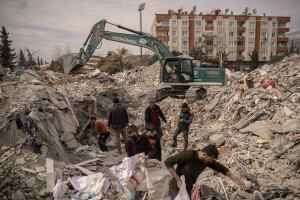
(60, 189)
(126, 169)
(84, 184)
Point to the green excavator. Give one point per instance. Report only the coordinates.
(181, 77)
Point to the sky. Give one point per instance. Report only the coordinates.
(48, 27)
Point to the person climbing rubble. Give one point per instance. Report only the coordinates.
(153, 139)
(185, 119)
(118, 121)
(190, 164)
(25, 123)
(101, 128)
(138, 143)
(152, 115)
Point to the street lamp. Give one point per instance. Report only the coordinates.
(141, 7)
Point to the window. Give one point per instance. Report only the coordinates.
(231, 24)
(251, 34)
(251, 44)
(209, 33)
(164, 23)
(264, 24)
(174, 23)
(252, 24)
(230, 53)
(196, 43)
(174, 33)
(231, 44)
(198, 23)
(166, 43)
(209, 53)
(174, 43)
(263, 54)
(184, 43)
(273, 34)
(231, 34)
(210, 42)
(240, 43)
(264, 34)
(209, 23)
(239, 53)
(263, 44)
(219, 44)
(219, 23)
(272, 54)
(198, 33)
(184, 33)
(273, 44)
(165, 33)
(219, 34)
(250, 53)
(274, 24)
(184, 23)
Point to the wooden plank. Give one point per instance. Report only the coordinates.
(50, 175)
(29, 170)
(86, 162)
(86, 171)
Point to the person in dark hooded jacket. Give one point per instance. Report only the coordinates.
(185, 119)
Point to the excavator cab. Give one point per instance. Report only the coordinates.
(177, 70)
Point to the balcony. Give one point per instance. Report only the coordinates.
(163, 38)
(282, 39)
(162, 28)
(209, 38)
(209, 28)
(240, 38)
(241, 29)
(283, 29)
(209, 57)
(240, 58)
(209, 48)
(240, 48)
(282, 48)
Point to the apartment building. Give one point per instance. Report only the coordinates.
(238, 35)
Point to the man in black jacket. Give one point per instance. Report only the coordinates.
(118, 121)
(185, 119)
(152, 114)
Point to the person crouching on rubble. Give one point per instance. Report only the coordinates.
(138, 143)
(28, 127)
(101, 128)
(153, 139)
(191, 163)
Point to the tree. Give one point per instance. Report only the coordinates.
(21, 59)
(7, 55)
(42, 62)
(30, 60)
(254, 60)
(38, 61)
(292, 48)
(221, 58)
(197, 52)
(176, 53)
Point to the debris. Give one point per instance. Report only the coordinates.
(50, 175)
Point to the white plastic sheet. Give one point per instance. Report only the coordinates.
(157, 178)
(182, 194)
(60, 189)
(84, 184)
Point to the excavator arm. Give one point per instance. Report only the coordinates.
(72, 62)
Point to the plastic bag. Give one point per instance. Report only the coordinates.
(60, 189)
(158, 178)
(182, 194)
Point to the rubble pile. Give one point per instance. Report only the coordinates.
(255, 125)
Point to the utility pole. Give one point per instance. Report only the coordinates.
(141, 7)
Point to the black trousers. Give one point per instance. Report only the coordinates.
(102, 139)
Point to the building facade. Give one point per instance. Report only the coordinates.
(237, 35)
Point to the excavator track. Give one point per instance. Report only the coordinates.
(195, 93)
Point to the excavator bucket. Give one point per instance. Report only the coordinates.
(71, 63)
